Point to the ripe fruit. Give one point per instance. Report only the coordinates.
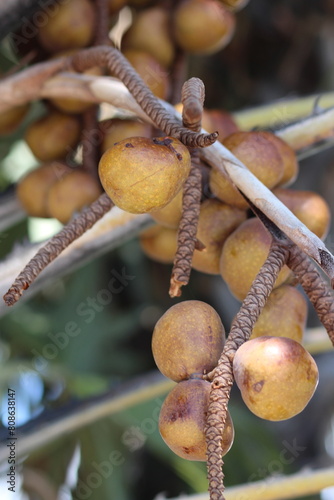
(116, 130)
(150, 70)
(141, 175)
(220, 121)
(170, 215)
(244, 252)
(216, 222)
(70, 27)
(202, 26)
(308, 207)
(159, 243)
(11, 119)
(71, 194)
(183, 417)
(188, 339)
(32, 190)
(290, 162)
(276, 376)
(291, 323)
(259, 155)
(53, 136)
(150, 33)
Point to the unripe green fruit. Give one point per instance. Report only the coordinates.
(183, 417)
(141, 175)
(276, 376)
(188, 339)
(202, 26)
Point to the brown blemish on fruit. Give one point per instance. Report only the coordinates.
(189, 449)
(129, 145)
(258, 386)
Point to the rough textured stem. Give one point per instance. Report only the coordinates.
(317, 289)
(56, 245)
(193, 94)
(222, 379)
(186, 238)
(122, 69)
(89, 146)
(102, 24)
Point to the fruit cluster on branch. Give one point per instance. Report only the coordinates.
(200, 200)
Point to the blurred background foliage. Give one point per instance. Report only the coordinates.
(281, 48)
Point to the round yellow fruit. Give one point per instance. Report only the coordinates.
(142, 175)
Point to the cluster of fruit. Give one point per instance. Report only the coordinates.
(187, 342)
(157, 33)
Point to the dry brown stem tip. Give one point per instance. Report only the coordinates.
(122, 69)
(193, 94)
(45, 255)
(222, 375)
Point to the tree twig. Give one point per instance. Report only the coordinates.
(56, 245)
(222, 375)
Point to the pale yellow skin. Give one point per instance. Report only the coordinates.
(71, 27)
(150, 32)
(259, 155)
(216, 222)
(71, 194)
(290, 162)
(159, 243)
(284, 315)
(141, 176)
(244, 252)
(202, 26)
(32, 190)
(183, 417)
(310, 208)
(53, 136)
(188, 339)
(170, 215)
(276, 376)
(118, 129)
(11, 119)
(150, 70)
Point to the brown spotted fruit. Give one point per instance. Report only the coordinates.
(244, 252)
(202, 26)
(276, 376)
(116, 130)
(216, 222)
(170, 215)
(10, 120)
(290, 162)
(309, 207)
(188, 340)
(284, 315)
(142, 175)
(183, 417)
(259, 155)
(220, 121)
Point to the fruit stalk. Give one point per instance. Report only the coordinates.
(193, 93)
(45, 255)
(318, 290)
(222, 375)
